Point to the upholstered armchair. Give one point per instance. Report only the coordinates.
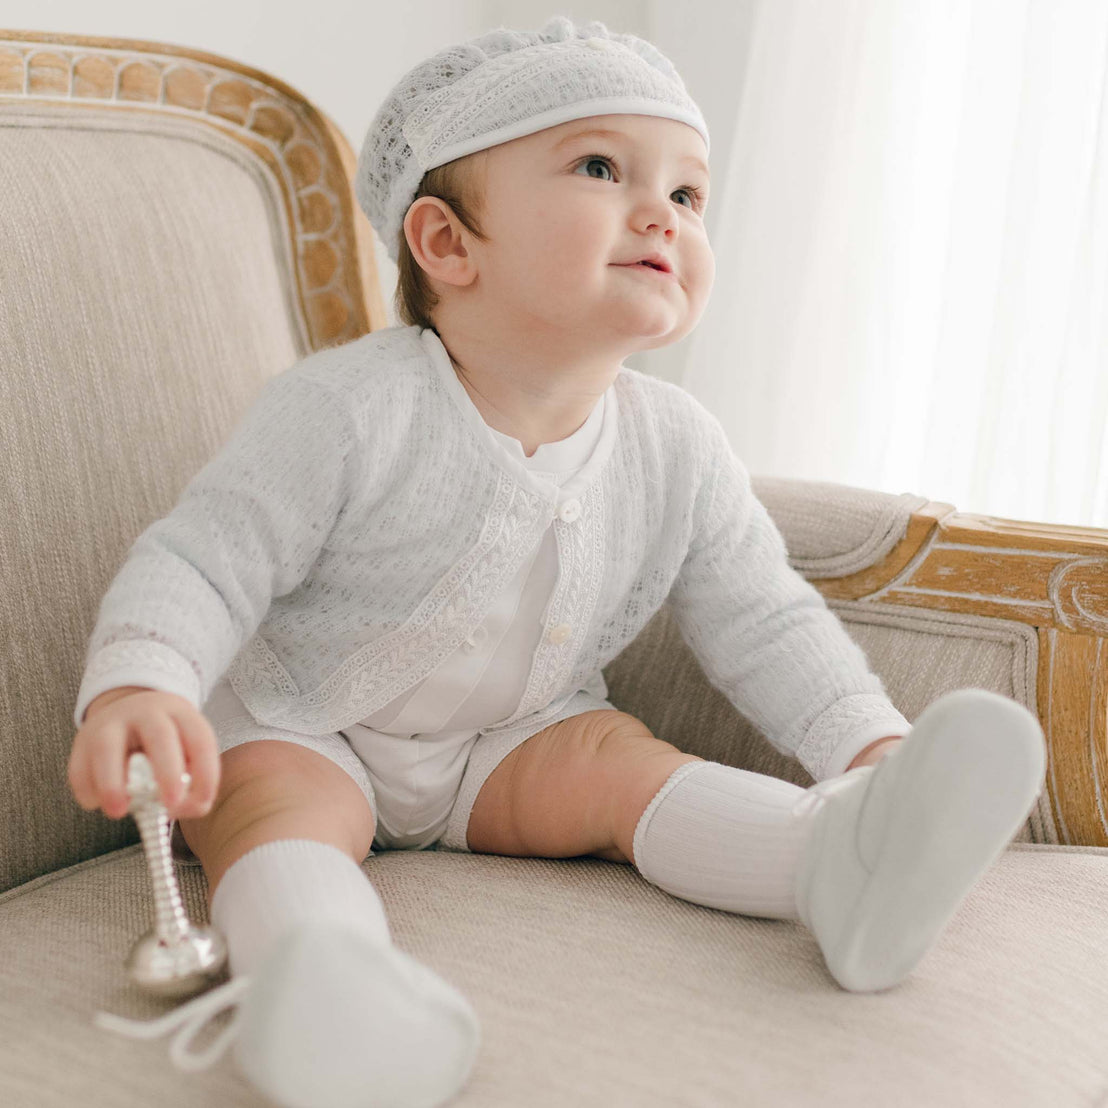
(175, 228)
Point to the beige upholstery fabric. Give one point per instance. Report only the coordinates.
(143, 301)
(597, 990)
(834, 530)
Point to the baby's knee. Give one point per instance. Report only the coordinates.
(280, 790)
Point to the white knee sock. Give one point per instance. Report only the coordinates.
(725, 838)
(280, 885)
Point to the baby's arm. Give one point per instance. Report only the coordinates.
(766, 638)
(247, 528)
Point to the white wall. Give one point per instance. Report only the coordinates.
(709, 51)
(345, 56)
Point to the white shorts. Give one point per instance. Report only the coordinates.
(421, 788)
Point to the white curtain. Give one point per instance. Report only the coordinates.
(912, 253)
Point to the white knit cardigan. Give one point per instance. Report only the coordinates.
(361, 520)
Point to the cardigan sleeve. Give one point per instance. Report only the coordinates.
(765, 637)
(247, 528)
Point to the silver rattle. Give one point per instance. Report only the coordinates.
(175, 958)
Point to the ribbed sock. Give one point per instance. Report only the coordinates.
(280, 885)
(725, 838)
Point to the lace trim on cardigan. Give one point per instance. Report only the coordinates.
(434, 631)
(146, 653)
(845, 717)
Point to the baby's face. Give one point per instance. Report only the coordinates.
(569, 213)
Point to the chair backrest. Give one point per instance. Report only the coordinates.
(175, 228)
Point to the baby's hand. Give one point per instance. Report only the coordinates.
(875, 752)
(168, 729)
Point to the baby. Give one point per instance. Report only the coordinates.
(379, 617)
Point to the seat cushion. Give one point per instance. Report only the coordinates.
(593, 987)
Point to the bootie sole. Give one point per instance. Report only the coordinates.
(947, 804)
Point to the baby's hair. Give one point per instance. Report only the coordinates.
(460, 184)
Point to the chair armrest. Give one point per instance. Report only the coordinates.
(1051, 577)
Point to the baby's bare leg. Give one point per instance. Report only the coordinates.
(344, 1007)
(270, 790)
(577, 787)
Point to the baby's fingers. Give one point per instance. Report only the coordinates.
(161, 742)
(106, 770)
(203, 758)
(79, 774)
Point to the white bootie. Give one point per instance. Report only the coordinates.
(335, 1021)
(895, 848)
(330, 1018)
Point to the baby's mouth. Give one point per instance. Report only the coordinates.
(649, 268)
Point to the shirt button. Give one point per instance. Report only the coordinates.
(570, 511)
(559, 634)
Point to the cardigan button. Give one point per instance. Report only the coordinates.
(558, 635)
(570, 511)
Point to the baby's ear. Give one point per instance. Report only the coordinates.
(437, 241)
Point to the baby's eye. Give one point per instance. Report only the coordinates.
(594, 158)
(696, 196)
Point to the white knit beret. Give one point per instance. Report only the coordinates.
(501, 86)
